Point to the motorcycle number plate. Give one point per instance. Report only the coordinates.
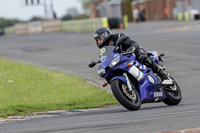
(158, 94)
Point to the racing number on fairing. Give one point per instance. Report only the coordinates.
(158, 94)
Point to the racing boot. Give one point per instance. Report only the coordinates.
(163, 75)
(165, 78)
(156, 69)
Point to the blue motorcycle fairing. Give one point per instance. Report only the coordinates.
(105, 65)
(148, 86)
(120, 67)
(154, 54)
(105, 62)
(120, 77)
(148, 83)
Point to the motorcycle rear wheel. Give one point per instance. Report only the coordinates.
(130, 100)
(173, 97)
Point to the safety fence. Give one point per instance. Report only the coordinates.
(83, 25)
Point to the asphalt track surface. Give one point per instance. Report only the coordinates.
(71, 52)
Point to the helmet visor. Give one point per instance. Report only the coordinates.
(104, 35)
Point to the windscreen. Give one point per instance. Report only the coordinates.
(106, 52)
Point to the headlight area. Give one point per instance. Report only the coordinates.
(114, 61)
(101, 72)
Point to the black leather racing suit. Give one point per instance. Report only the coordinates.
(140, 53)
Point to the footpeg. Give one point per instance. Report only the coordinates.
(168, 82)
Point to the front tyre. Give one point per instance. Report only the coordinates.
(130, 100)
(173, 94)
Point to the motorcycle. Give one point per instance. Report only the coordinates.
(133, 83)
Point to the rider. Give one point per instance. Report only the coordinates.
(104, 37)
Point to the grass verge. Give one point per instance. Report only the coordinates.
(26, 88)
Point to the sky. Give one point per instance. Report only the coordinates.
(16, 9)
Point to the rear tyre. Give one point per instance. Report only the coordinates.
(130, 100)
(173, 94)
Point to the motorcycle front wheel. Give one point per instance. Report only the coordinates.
(173, 94)
(129, 99)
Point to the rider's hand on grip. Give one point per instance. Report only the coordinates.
(121, 40)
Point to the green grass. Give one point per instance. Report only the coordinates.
(26, 88)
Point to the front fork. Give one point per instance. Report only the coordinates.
(128, 82)
(124, 78)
